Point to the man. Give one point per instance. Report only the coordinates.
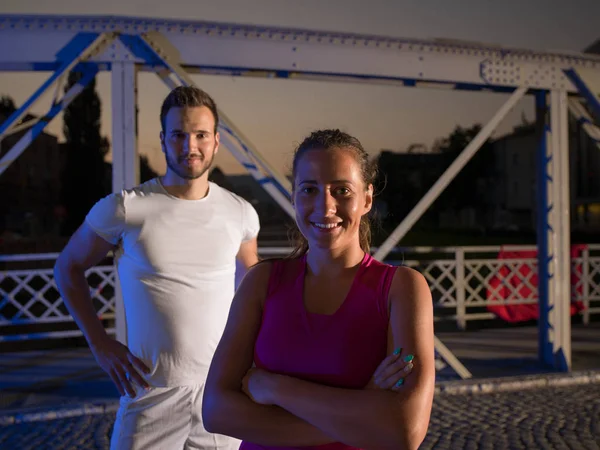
(176, 239)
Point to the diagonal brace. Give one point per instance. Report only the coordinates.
(450, 173)
(90, 71)
(580, 114)
(82, 47)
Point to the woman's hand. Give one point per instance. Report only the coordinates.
(259, 385)
(391, 372)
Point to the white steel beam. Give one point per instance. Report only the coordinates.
(450, 359)
(125, 164)
(124, 146)
(241, 49)
(554, 261)
(560, 302)
(263, 180)
(445, 179)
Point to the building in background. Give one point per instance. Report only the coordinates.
(516, 188)
(496, 190)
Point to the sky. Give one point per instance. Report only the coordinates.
(277, 114)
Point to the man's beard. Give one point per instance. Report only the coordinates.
(182, 171)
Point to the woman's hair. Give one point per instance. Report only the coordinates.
(324, 140)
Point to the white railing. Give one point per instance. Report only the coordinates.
(465, 282)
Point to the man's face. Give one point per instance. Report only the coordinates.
(189, 141)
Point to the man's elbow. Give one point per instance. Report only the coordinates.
(61, 267)
(66, 269)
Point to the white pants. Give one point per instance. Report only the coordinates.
(165, 419)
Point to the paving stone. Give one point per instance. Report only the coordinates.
(552, 418)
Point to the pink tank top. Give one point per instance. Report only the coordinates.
(342, 349)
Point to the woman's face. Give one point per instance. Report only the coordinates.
(330, 197)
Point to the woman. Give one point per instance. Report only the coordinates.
(318, 326)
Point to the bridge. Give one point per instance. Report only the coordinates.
(562, 84)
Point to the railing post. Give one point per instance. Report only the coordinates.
(461, 311)
(585, 278)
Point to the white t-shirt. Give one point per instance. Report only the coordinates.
(176, 266)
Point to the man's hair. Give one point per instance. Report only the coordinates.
(190, 97)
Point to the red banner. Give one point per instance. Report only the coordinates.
(520, 281)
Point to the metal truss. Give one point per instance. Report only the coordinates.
(74, 55)
(175, 49)
(290, 53)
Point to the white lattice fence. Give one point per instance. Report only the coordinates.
(506, 282)
(586, 282)
(29, 297)
(463, 289)
(466, 284)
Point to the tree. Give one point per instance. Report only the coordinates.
(7, 107)
(146, 171)
(84, 173)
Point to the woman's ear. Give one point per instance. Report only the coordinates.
(369, 198)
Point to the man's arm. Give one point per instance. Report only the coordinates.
(247, 257)
(84, 250)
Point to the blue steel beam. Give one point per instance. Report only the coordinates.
(588, 85)
(544, 229)
(583, 117)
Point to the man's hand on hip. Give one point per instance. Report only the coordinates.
(120, 364)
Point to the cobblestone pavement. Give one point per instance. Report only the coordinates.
(549, 418)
